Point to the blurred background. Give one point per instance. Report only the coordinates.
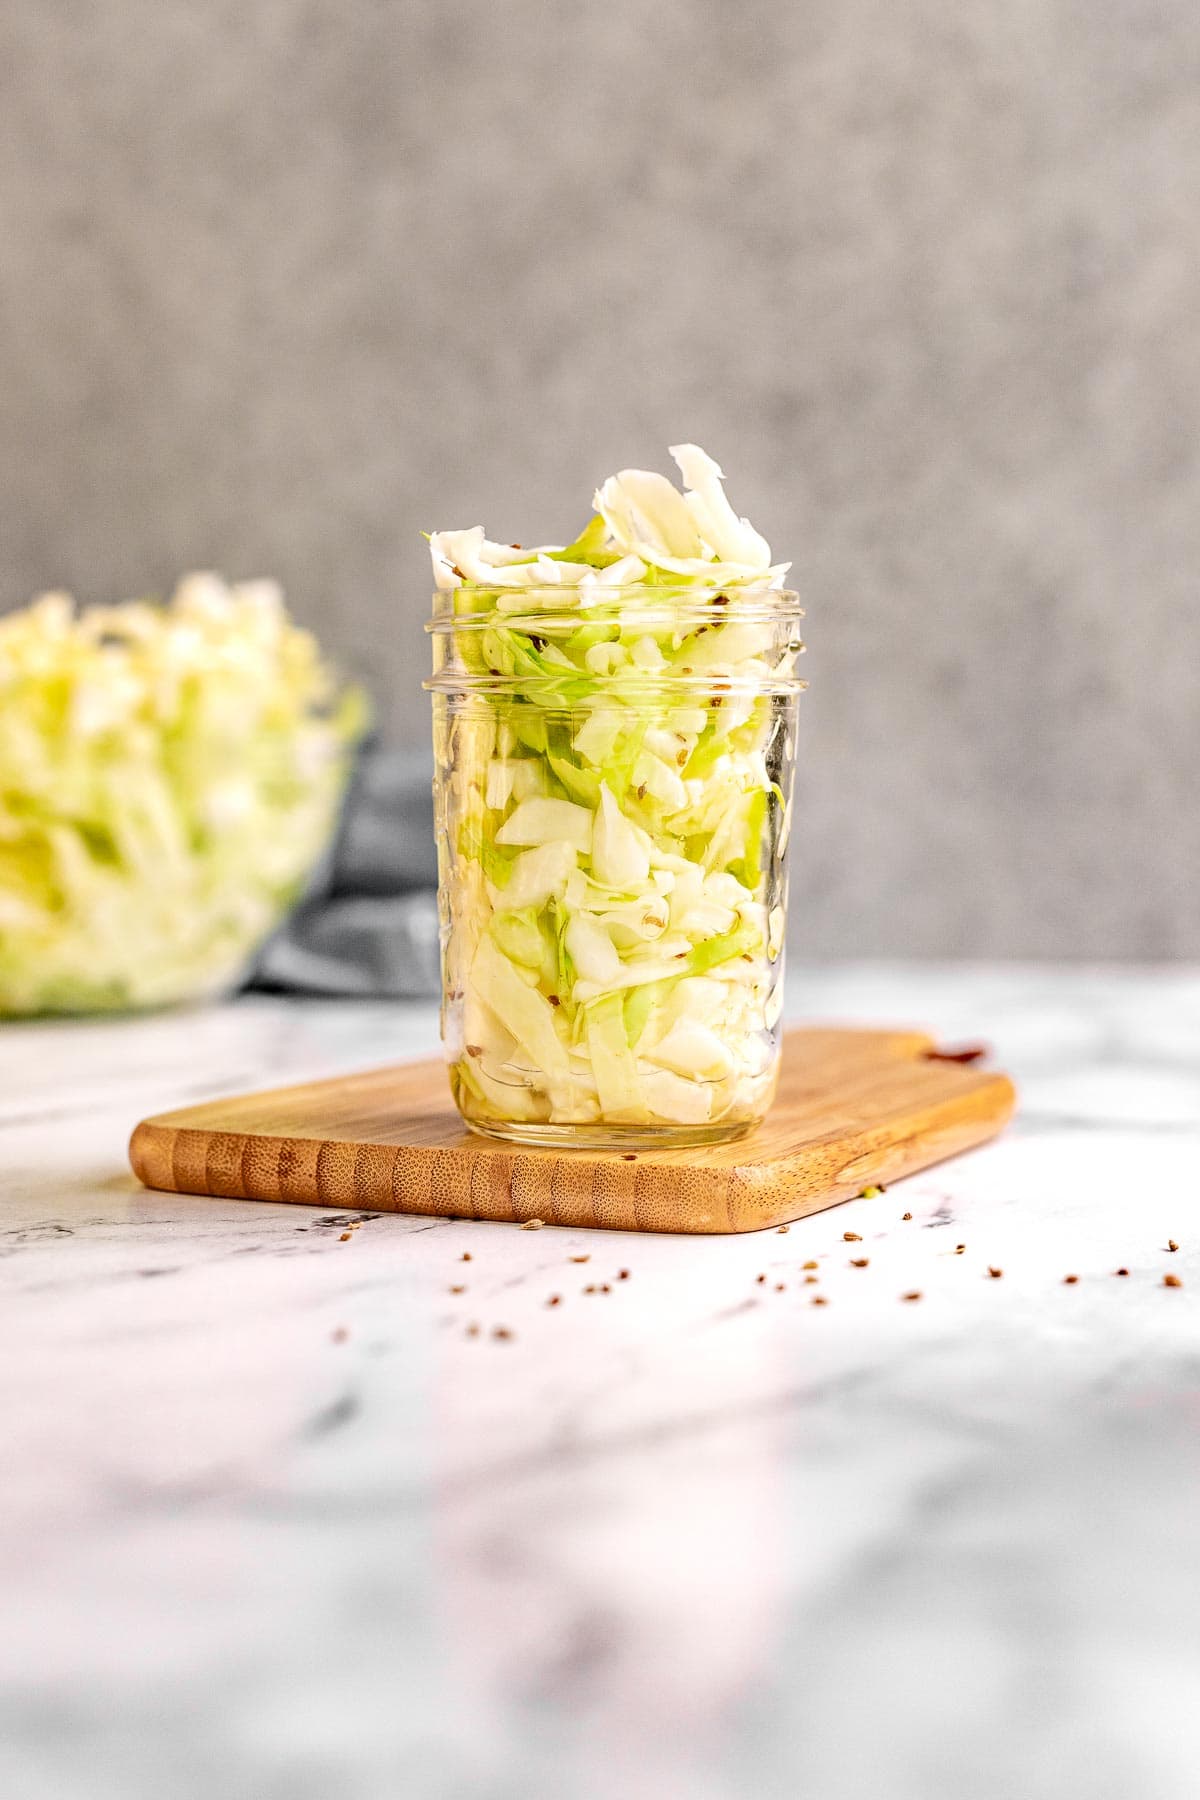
(283, 285)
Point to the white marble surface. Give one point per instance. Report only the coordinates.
(273, 1526)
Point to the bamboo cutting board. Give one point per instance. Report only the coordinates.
(855, 1108)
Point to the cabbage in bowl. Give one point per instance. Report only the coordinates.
(169, 778)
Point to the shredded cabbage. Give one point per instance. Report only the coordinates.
(614, 748)
(169, 778)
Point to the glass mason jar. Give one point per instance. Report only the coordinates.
(613, 802)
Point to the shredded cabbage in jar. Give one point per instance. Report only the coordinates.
(614, 812)
(169, 778)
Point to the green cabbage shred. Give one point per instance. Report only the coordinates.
(169, 778)
(614, 772)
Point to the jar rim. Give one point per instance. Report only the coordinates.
(460, 684)
(687, 602)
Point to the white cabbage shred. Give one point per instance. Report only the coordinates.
(169, 776)
(611, 797)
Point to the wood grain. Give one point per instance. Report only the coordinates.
(854, 1108)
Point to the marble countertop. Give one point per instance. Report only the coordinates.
(274, 1526)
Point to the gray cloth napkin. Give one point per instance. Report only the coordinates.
(369, 923)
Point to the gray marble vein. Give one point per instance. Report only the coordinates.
(274, 1524)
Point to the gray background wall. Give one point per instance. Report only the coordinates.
(282, 283)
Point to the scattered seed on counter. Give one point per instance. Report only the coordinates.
(1172, 1281)
(810, 1264)
(782, 1228)
(502, 1333)
(554, 1300)
(590, 1288)
(604, 1288)
(1171, 1244)
(760, 1279)
(458, 1290)
(781, 1287)
(465, 1257)
(579, 1258)
(1121, 1271)
(623, 1274)
(995, 1273)
(1070, 1280)
(860, 1262)
(811, 1280)
(339, 1334)
(819, 1300)
(915, 1294)
(345, 1237)
(852, 1237)
(906, 1216)
(533, 1224)
(472, 1331)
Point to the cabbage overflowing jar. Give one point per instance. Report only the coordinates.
(614, 729)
